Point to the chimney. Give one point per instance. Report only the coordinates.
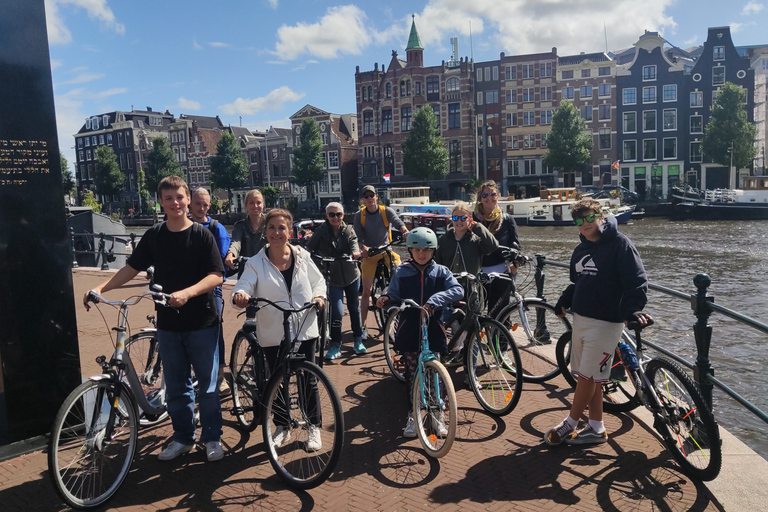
(149, 109)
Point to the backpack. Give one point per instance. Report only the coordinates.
(212, 227)
(383, 210)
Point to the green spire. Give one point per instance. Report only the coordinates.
(414, 43)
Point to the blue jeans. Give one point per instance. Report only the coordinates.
(218, 299)
(336, 298)
(181, 352)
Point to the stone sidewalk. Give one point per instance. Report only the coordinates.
(495, 463)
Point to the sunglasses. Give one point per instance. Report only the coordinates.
(335, 214)
(461, 218)
(368, 196)
(579, 221)
(492, 194)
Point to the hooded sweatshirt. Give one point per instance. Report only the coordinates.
(609, 281)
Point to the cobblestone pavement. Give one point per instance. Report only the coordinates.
(495, 463)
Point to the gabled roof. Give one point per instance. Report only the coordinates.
(240, 131)
(414, 43)
(204, 121)
(309, 111)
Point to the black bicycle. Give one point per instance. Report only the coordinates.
(385, 269)
(295, 402)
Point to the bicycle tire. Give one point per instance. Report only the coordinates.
(380, 287)
(429, 412)
(87, 471)
(245, 384)
(293, 461)
(688, 428)
(492, 364)
(537, 347)
(145, 355)
(393, 358)
(619, 395)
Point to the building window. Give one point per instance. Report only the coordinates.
(718, 75)
(365, 94)
(696, 154)
(93, 140)
(604, 112)
(122, 161)
(87, 142)
(367, 123)
(130, 160)
(495, 71)
(101, 139)
(649, 120)
(388, 90)
(491, 97)
(586, 113)
(109, 139)
(80, 143)
(546, 117)
(454, 156)
(605, 71)
(567, 93)
(182, 137)
(512, 96)
(670, 119)
(418, 89)
(718, 53)
(545, 69)
(333, 159)
(670, 92)
(629, 96)
(528, 71)
(105, 121)
(585, 92)
(697, 124)
(586, 73)
(630, 150)
(386, 120)
(604, 90)
(697, 99)
(528, 95)
(511, 72)
(670, 148)
(155, 121)
(80, 155)
(119, 139)
(649, 94)
(630, 122)
(479, 77)
(529, 118)
(487, 74)
(567, 74)
(452, 85)
(335, 182)
(95, 123)
(604, 138)
(530, 167)
(370, 92)
(433, 88)
(649, 73)
(546, 94)
(454, 116)
(512, 119)
(324, 138)
(480, 98)
(174, 137)
(405, 119)
(649, 149)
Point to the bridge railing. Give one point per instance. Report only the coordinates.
(84, 243)
(702, 305)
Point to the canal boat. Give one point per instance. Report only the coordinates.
(559, 214)
(747, 203)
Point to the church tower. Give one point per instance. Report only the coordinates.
(414, 51)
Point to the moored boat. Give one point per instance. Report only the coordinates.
(748, 203)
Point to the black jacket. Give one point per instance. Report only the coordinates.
(325, 243)
(506, 235)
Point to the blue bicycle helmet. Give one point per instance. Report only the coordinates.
(421, 237)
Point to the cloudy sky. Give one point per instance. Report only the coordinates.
(257, 62)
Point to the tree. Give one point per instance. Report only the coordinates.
(143, 192)
(229, 169)
(89, 199)
(68, 182)
(108, 177)
(424, 152)
(728, 127)
(308, 160)
(270, 196)
(569, 145)
(161, 162)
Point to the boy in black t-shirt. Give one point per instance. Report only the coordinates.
(188, 267)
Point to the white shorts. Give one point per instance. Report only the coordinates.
(592, 347)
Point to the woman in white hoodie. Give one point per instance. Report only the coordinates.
(286, 275)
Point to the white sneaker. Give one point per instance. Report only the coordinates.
(410, 427)
(364, 336)
(173, 450)
(281, 436)
(214, 451)
(438, 423)
(314, 443)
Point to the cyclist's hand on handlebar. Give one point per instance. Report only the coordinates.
(428, 309)
(382, 302)
(640, 317)
(230, 261)
(179, 298)
(364, 250)
(90, 296)
(241, 299)
(320, 302)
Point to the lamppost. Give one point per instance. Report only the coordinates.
(731, 173)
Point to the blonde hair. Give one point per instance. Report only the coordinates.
(253, 193)
(490, 184)
(464, 207)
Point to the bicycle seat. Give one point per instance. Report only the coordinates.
(637, 326)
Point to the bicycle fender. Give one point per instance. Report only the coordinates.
(98, 378)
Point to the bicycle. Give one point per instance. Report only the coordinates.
(381, 278)
(293, 396)
(145, 352)
(435, 410)
(533, 324)
(681, 416)
(95, 434)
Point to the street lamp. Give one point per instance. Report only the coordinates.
(731, 174)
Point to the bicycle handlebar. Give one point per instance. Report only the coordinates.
(253, 302)
(637, 326)
(373, 251)
(157, 296)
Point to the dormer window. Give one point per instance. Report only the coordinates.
(88, 124)
(95, 123)
(105, 121)
(718, 53)
(649, 73)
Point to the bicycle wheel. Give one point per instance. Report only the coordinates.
(619, 394)
(687, 425)
(492, 363)
(86, 467)
(435, 409)
(535, 327)
(380, 286)
(393, 358)
(245, 388)
(303, 425)
(145, 355)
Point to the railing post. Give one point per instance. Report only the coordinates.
(539, 275)
(133, 242)
(702, 331)
(103, 252)
(74, 251)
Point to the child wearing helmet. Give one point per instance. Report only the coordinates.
(431, 285)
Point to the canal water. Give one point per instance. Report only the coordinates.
(735, 255)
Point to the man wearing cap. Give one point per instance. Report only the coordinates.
(372, 227)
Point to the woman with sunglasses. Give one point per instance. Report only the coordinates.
(465, 243)
(336, 239)
(247, 234)
(503, 227)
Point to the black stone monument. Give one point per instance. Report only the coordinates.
(39, 356)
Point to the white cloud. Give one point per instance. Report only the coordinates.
(84, 78)
(344, 29)
(56, 64)
(272, 3)
(216, 44)
(273, 101)
(737, 27)
(185, 104)
(97, 10)
(196, 46)
(752, 7)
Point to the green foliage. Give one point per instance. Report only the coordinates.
(142, 185)
(308, 159)
(215, 204)
(108, 177)
(292, 205)
(229, 169)
(424, 152)
(161, 162)
(569, 145)
(729, 125)
(89, 199)
(67, 178)
(270, 196)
